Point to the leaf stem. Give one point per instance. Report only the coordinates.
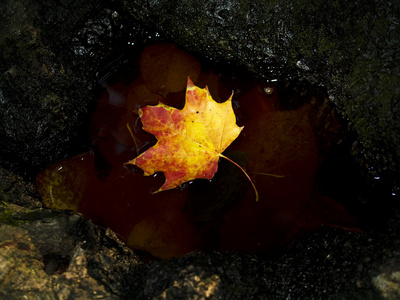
(133, 137)
(247, 175)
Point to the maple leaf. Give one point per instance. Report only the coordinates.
(191, 140)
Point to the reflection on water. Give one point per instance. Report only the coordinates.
(284, 133)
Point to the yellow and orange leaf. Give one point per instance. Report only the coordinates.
(191, 140)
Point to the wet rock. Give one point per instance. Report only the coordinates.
(42, 98)
(49, 55)
(13, 189)
(53, 255)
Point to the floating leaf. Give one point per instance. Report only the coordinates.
(191, 140)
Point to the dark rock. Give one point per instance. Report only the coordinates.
(52, 255)
(49, 55)
(14, 190)
(42, 98)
